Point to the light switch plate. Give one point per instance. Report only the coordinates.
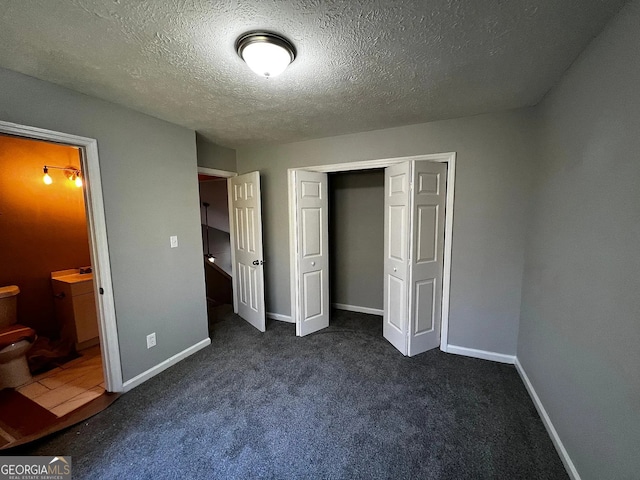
(174, 241)
(151, 340)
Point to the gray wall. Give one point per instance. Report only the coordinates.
(212, 155)
(495, 157)
(150, 188)
(579, 336)
(356, 228)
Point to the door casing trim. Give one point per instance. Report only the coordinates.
(213, 172)
(99, 248)
(449, 158)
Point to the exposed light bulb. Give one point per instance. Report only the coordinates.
(78, 181)
(46, 179)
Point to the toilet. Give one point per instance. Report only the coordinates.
(15, 341)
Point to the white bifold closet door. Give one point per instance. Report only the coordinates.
(397, 185)
(415, 195)
(311, 251)
(245, 216)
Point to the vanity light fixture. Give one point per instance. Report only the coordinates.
(72, 173)
(267, 54)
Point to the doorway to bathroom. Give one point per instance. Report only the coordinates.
(216, 241)
(55, 264)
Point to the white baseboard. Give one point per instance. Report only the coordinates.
(483, 354)
(278, 316)
(555, 438)
(354, 308)
(152, 372)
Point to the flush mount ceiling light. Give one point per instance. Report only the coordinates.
(266, 53)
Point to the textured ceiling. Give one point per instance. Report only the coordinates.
(362, 64)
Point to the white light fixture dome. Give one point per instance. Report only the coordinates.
(267, 54)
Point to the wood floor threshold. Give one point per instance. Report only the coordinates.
(79, 415)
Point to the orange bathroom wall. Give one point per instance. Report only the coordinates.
(43, 228)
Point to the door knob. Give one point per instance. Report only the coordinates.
(395, 269)
(258, 262)
(313, 264)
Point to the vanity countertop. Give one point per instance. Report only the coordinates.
(75, 278)
(72, 276)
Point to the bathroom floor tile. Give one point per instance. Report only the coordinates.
(90, 380)
(59, 395)
(62, 390)
(69, 383)
(53, 371)
(33, 390)
(68, 375)
(93, 361)
(77, 401)
(70, 386)
(90, 355)
(91, 351)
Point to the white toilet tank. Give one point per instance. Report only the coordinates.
(8, 305)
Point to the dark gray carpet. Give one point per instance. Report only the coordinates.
(342, 403)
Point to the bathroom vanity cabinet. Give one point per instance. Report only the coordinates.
(76, 307)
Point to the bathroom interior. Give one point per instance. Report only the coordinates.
(50, 359)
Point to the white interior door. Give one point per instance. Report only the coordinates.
(427, 255)
(396, 254)
(311, 251)
(245, 215)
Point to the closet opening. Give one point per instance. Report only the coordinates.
(356, 246)
(417, 219)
